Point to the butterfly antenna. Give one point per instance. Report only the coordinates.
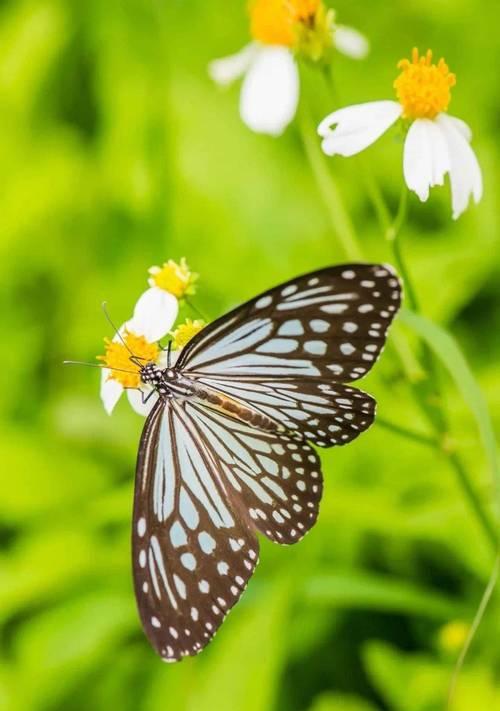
(95, 365)
(169, 353)
(135, 359)
(104, 307)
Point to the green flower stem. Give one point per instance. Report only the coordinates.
(196, 310)
(489, 527)
(488, 592)
(409, 434)
(327, 185)
(393, 236)
(428, 393)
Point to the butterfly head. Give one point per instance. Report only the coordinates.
(151, 374)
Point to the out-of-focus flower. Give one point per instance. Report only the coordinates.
(176, 279)
(185, 332)
(435, 143)
(282, 30)
(452, 636)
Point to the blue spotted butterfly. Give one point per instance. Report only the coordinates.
(226, 452)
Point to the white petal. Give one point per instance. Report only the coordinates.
(349, 130)
(425, 158)
(270, 91)
(465, 173)
(464, 128)
(226, 70)
(136, 400)
(154, 314)
(350, 42)
(111, 391)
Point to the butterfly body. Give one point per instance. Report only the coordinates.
(227, 453)
(170, 383)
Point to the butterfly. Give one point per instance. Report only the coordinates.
(227, 449)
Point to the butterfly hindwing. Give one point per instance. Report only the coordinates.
(192, 553)
(324, 413)
(206, 483)
(273, 478)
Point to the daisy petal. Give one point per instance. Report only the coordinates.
(136, 400)
(349, 130)
(111, 391)
(425, 159)
(154, 314)
(226, 70)
(465, 173)
(270, 91)
(464, 128)
(350, 42)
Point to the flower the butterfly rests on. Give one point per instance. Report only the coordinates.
(227, 449)
(435, 144)
(282, 30)
(154, 315)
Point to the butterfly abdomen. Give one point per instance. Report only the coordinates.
(237, 409)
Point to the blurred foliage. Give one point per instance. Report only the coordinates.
(116, 153)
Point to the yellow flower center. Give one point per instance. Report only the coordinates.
(276, 21)
(423, 88)
(185, 332)
(175, 278)
(117, 356)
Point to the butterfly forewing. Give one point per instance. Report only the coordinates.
(330, 324)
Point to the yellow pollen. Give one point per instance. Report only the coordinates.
(275, 21)
(117, 356)
(175, 278)
(423, 88)
(185, 332)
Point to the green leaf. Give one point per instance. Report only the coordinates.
(447, 350)
(406, 682)
(378, 592)
(341, 702)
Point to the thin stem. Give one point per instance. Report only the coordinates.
(393, 236)
(427, 393)
(197, 311)
(375, 194)
(489, 528)
(327, 185)
(474, 627)
(409, 434)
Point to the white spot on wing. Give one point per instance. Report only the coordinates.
(263, 302)
(291, 328)
(207, 543)
(315, 347)
(188, 561)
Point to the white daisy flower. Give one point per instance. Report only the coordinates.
(153, 318)
(435, 144)
(282, 29)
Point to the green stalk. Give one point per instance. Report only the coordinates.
(329, 190)
(428, 393)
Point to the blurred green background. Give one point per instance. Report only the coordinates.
(117, 152)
